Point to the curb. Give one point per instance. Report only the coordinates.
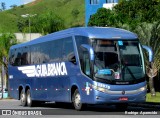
(146, 104)
(4, 99)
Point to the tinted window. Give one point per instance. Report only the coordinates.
(86, 63)
(130, 53)
(68, 48)
(11, 57)
(43, 52)
(79, 41)
(17, 60)
(47, 52)
(25, 57)
(40, 53)
(55, 50)
(19, 57)
(35, 54)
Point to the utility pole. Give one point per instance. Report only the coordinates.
(29, 16)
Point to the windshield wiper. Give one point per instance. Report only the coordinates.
(130, 72)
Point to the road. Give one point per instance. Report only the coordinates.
(67, 110)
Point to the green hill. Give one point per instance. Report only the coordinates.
(63, 8)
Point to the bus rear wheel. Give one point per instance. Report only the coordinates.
(29, 99)
(23, 98)
(76, 99)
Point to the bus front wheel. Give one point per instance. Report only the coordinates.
(23, 98)
(76, 99)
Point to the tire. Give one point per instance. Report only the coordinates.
(29, 99)
(23, 98)
(76, 100)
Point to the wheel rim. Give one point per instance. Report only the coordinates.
(28, 98)
(22, 98)
(77, 100)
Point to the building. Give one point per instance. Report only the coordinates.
(93, 5)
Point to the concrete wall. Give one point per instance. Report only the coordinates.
(24, 37)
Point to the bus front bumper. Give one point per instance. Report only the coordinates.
(101, 98)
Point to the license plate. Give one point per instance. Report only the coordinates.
(123, 99)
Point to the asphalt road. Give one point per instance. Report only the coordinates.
(66, 110)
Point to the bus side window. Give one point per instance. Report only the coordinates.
(11, 58)
(86, 63)
(18, 59)
(34, 54)
(44, 52)
(25, 56)
(55, 51)
(68, 49)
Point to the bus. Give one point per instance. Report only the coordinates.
(84, 65)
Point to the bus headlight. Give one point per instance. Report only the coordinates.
(143, 88)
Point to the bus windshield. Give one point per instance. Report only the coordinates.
(117, 60)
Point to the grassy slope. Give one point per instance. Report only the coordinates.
(153, 99)
(7, 22)
(63, 8)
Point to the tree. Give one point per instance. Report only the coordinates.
(46, 23)
(21, 24)
(75, 13)
(3, 5)
(104, 17)
(131, 12)
(149, 34)
(13, 6)
(134, 12)
(22, 6)
(6, 41)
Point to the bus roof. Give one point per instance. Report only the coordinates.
(91, 32)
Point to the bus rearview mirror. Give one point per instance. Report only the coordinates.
(150, 52)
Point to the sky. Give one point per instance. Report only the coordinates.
(14, 2)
